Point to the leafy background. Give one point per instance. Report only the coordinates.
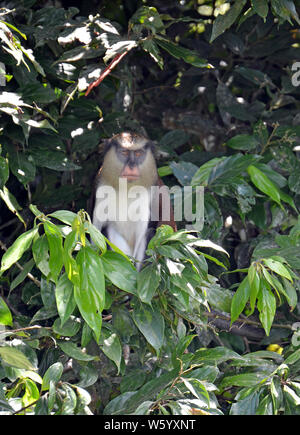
(209, 326)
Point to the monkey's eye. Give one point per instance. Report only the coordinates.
(138, 153)
(125, 153)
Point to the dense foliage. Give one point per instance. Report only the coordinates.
(210, 324)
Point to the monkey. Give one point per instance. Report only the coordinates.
(131, 200)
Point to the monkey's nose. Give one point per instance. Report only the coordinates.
(131, 173)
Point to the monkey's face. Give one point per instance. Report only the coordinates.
(130, 156)
(132, 161)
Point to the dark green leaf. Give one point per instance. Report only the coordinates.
(69, 328)
(240, 299)
(64, 294)
(55, 249)
(53, 373)
(90, 295)
(119, 271)
(243, 142)
(180, 52)
(260, 7)
(223, 22)
(4, 171)
(74, 351)
(111, 346)
(151, 324)
(147, 283)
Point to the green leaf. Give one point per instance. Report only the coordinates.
(151, 47)
(244, 142)
(224, 22)
(196, 388)
(64, 294)
(4, 171)
(254, 281)
(276, 393)
(293, 357)
(40, 251)
(128, 402)
(267, 307)
(240, 299)
(5, 314)
(15, 252)
(278, 267)
(111, 346)
(180, 52)
(260, 7)
(147, 283)
(119, 271)
(200, 178)
(97, 237)
(71, 267)
(151, 324)
(228, 169)
(66, 216)
(22, 275)
(47, 293)
(53, 373)
(264, 184)
(11, 203)
(74, 351)
(291, 293)
(55, 248)
(215, 356)
(22, 166)
(90, 295)
(31, 394)
(242, 380)
(245, 405)
(291, 396)
(69, 328)
(149, 18)
(69, 400)
(15, 358)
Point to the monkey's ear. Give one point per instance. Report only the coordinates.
(151, 146)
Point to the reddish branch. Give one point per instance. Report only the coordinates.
(107, 71)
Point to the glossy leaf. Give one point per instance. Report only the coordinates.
(240, 299)
(15, 252)
(53, 373)
(90, 295)
(264, 184)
